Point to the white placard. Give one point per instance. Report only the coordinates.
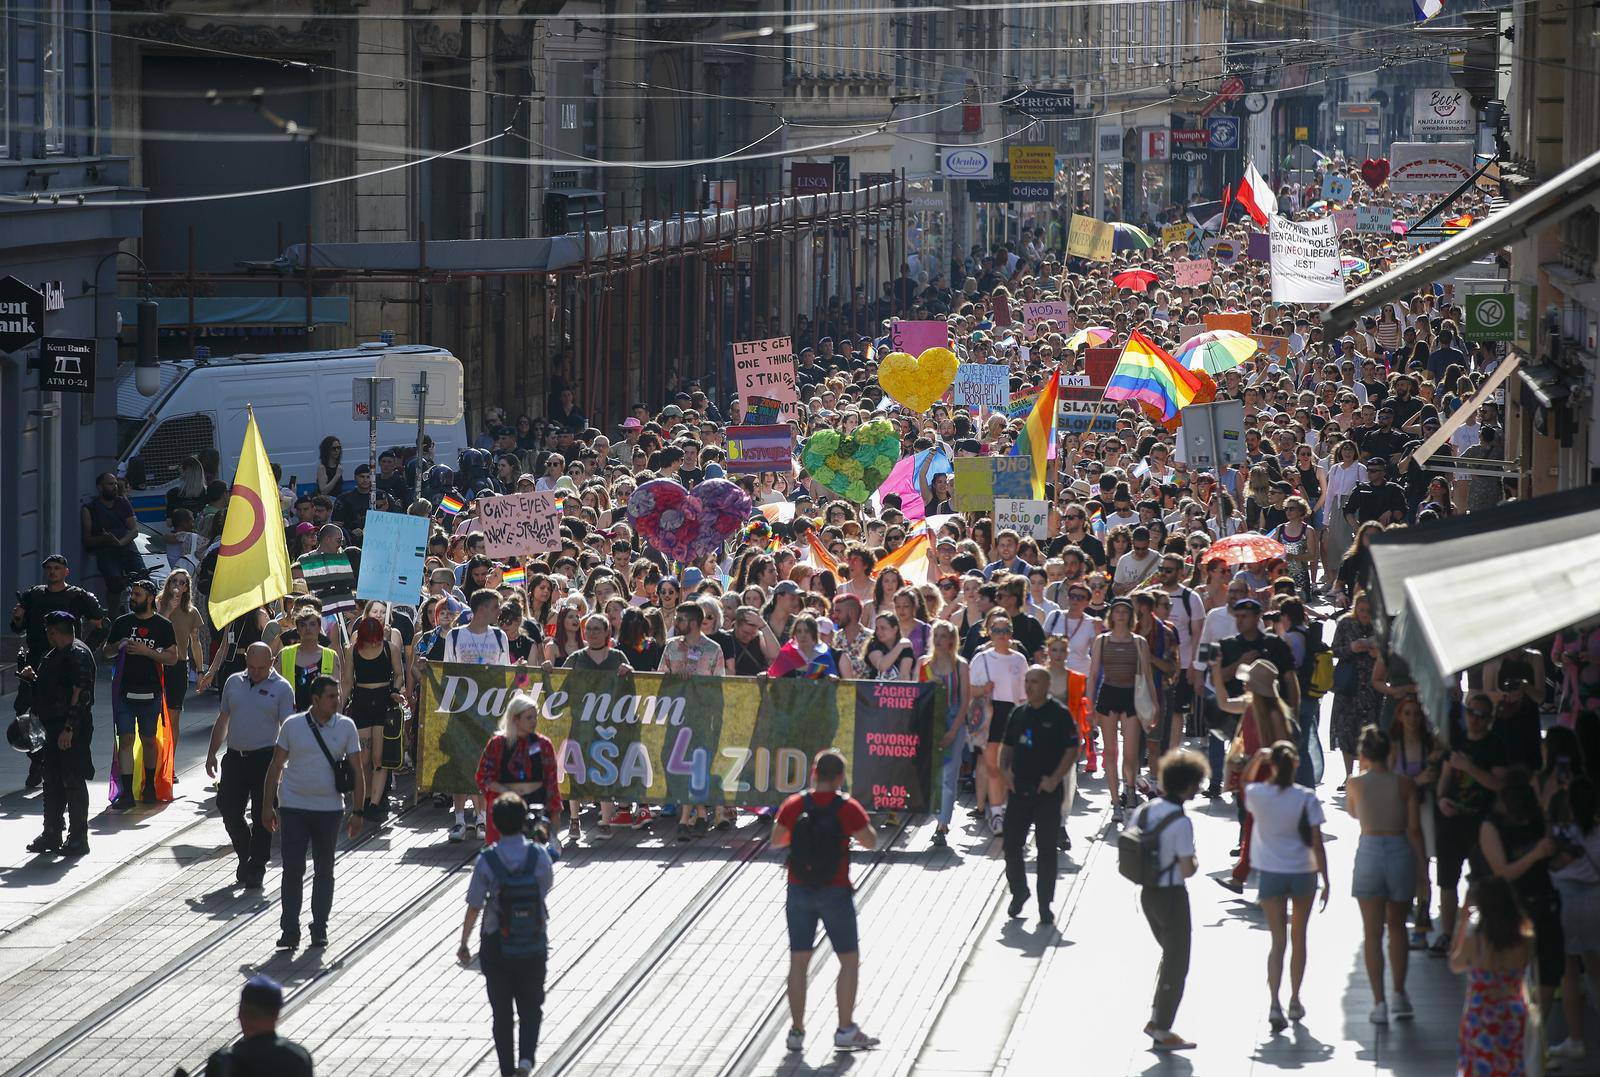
(980, 385)
(1305, 261)
(1024, 516)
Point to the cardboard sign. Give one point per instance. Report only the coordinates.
(1192, 272)
(1234, 320)
(983, 385)
(914, 338)
(1337, 188)
(394, 547)
(1223, 250)
(1098, 363)
(1305, 261)
(1429, 167)
(1258, 248)
(762, 410)
(753, 449)
(1375, 220)
(974, 490)
(1273, 348)
(1084, 410)
(1090, 239)
(518, 525)
(1011, 476)
(1344, 220)
(1053, 310)
(1190, 329)
(765, 368)
(1025, 516)
(1176, 233)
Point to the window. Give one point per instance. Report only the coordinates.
(53, 76)
(6, 37)
(173, 442)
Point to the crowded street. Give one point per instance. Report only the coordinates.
(1078, 549)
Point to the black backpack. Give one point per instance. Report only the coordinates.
(817, 841)
(1139, 849)
(521, 907)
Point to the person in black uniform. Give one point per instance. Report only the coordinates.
(1041, 745)
(28, 617)
(63, 699)
(261, 1052)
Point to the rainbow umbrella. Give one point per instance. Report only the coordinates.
(1216, 351)
(1094, 336)
(1134, 280)
(1349, 265)
(1317, 205)
(1129, 237)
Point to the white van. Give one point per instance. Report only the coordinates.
(299, 398)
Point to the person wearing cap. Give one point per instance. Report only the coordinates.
(260, 1052)
(1376, 499)
(143, 644)
(62, 688)
(28, 619)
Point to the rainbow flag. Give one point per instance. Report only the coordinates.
(1147, 374)
(450, 504)
(1040, 431)
(516, 576)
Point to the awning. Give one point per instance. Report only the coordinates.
(243, 310)
(1542, 207)
(1461, 591)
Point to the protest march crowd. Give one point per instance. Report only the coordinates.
(983, 482)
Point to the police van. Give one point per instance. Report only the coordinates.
(298, 398)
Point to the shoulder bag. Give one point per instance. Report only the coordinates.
(344, 775)
(1144, 701)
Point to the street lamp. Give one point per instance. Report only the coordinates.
(147, 357)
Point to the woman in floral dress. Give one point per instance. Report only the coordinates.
(1355, 702)
(1491, 947)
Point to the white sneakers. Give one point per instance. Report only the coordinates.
(852, 1038)
(1402, 1009)
(796, 1040)
(458, 831)
(1569, 1050)
(1379, 1014)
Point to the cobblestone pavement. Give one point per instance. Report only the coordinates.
(669, 958)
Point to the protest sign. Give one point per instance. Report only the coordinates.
(753, 449)
(1090, 239)
(1224, 250)
(974, 492)
(1022, 403)
(1191, 272)
(1084, 411)
(1098, 363)
(981, 385)
(1176, 233)
(1023, 515)
(914, 338)
(1238, 321)
(1344, 220)
(765, 368)
(394, 547)
(1305, 261)
(762, 410)
(1011, 476)
(658, 738)
(1274, 348)
(1190, 329)
(1337, 188)
(518, 525)
(1258, 248)
(1054, 310)
(1429, 167)
(1375, 220)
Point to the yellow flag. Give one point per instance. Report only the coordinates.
(253, 562)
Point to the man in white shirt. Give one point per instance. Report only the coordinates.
(479, 642)
(1218, 626)
(302, 794)
(1137, 565)
(1188, 618)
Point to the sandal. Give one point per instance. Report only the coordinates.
(1440, 946)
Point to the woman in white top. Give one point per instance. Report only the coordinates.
(997, 679)
(1345, 470)
(1074, 625)
(1286, 849)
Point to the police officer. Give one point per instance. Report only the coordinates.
(63, 699)
(28, 617)
(261, 1052)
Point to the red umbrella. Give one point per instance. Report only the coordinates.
(1246, 549)
(1135, 280)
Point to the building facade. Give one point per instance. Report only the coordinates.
(55, 106)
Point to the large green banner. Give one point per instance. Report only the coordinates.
(704, 740)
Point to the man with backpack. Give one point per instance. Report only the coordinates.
(1156, 851)
(816, 827)
(1040, 748)
(509, 885)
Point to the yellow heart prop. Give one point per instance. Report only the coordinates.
(918, 383)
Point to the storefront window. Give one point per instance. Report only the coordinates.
(53, 73)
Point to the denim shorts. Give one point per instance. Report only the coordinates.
(1385, 868)
(835, 906)
(1273, 884)
(145, 713)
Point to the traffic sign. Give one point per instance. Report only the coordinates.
(1224, 132)
(1490, 316)
(21, 315)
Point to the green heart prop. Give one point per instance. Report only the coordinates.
(853, 466)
